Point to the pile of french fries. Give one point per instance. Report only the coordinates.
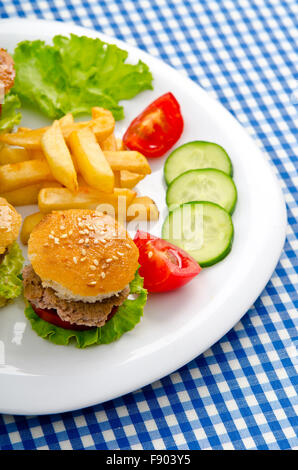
(72, 165)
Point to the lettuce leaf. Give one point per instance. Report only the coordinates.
(10, 283)
(8, 116)
(76, 73)
(127, 316)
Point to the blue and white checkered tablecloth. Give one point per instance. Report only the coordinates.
(241, 393)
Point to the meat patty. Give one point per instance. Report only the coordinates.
(79, 313)
(7, 71)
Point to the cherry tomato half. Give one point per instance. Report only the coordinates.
(157, 128)
(164, 266)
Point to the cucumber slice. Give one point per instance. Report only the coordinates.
(195, 156)
(203, 229)
(202, 185)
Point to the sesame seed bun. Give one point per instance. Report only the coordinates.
(84, 251)
(10, 224)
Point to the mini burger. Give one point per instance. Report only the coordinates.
(11, 259)
(83, 271)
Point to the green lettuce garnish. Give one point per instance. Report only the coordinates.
(76, 73)
(127, 316)
(9, 117)
(10, 268)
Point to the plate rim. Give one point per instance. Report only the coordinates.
(66, 28)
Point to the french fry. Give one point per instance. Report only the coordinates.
(58, 157)
(142, 208)
(102, 123)
(29, 139)
(22, 129)
(129, 179)
(110, 143)
(120, 145)
(128, 160)
(50, 199)
(28, 225)
(29, 194)
(16, 175)
(117, 179)
(36, 154)
(66, 120)
(97, 112)
(102, 126)
(13, 155)
(90, 160)
(128, 194)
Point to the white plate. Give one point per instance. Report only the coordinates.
(37, 377)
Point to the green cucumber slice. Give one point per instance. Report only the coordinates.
(203, 229)
(195, 156)
(202, 185)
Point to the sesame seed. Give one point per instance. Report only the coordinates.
(95, 262)
(56, 240)
(81, 232)
(52, 232)
(119, 253)
(103, 241)
(92, 267)
(92, 283)
(86, 231)
(79, 219)
(70, 232)
(81, 241)
(83, 259)
(150, 254)
(51, 236)
(62, 227)
(109, 260)
(95, 241)
(46, 244)
(103, 275)
(128, 245)
(115, 257)
(86, 240)
(83, 251)
(64, 235)
(75, 260)
(80, 224)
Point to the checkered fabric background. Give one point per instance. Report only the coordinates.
(242, 393)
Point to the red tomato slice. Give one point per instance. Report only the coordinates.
(157, 128)
(164, 266)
